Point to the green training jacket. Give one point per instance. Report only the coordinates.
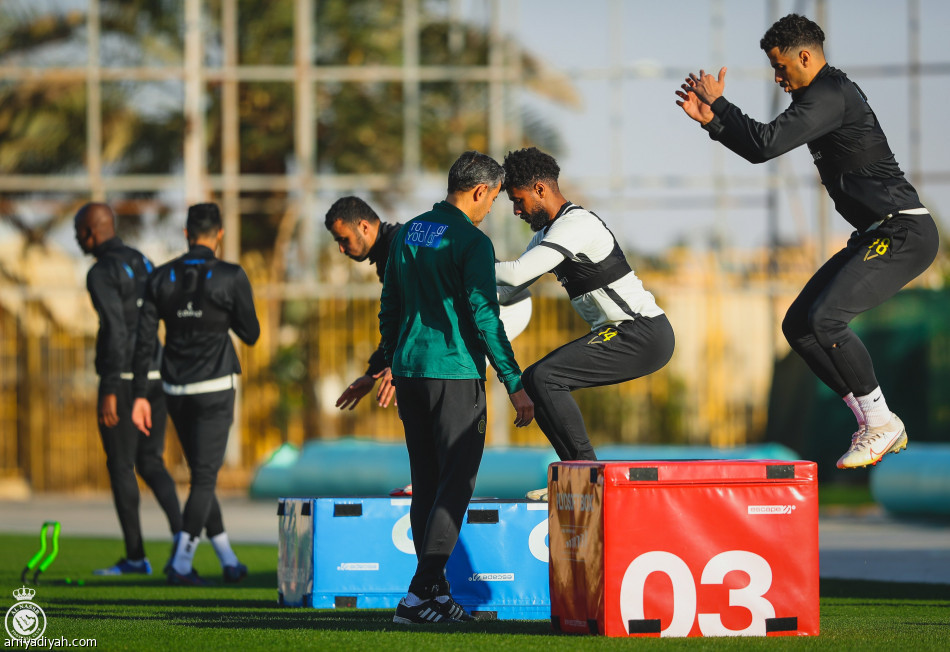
(439, 309)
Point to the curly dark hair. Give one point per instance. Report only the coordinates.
(792, 31)
(528, 166)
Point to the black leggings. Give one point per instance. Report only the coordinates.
(606, 356)
(870, 269)
(203, 422)
(444, 422)
(128, 450)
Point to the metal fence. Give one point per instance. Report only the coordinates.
(318, 312)
(714, 391)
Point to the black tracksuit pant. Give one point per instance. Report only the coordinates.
(870, 269)
(128, 450)
(444, 422)
(203, 422)
(607, 356)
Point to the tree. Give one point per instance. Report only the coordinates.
(43, 123)
(359, 126)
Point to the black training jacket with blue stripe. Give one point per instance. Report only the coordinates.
(200, 298)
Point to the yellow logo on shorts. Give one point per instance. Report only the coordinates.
(878, 248)
(604, 335)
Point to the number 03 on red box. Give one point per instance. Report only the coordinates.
(684, 548)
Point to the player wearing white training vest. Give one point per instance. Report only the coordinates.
(584, 256)
(630, 335)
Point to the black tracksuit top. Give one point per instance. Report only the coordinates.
(116, 284)
(833, 117)
(200, 298)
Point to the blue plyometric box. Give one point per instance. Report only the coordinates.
(358, 552)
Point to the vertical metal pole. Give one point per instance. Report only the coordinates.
(230, 134)
(713, 402)
(720, 179)
(456, 136)
(915, 165)
(506, 229)
(195, 163)
(511, 244)
(304, 131)
(230, 198)
(496, 87)
(412, 157)
(36, 377)
(515, 84)
(772, 210)
(824, 217)
(500, 431)
(615, 119)
(94, 105)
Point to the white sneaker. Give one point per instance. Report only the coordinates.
(538, 494)
(869, 445)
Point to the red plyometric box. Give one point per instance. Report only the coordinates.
(684, 548)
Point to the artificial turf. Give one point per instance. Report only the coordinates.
(143, 613)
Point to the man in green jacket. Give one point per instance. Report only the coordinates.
(439, 320)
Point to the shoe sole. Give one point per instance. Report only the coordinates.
(900, 443)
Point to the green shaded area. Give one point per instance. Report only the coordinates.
(135, 613)
(844, 495)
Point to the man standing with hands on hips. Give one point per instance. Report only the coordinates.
(439, 320)
(895, 238)
(200, 298)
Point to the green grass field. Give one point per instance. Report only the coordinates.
(128, 613)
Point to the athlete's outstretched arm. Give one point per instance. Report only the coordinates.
(529, 267)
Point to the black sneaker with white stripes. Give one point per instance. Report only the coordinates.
(456, 610)
(430, 611)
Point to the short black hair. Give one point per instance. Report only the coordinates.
(203, 220)
(526, 167)
(472, 169)
(792, 31)
(350, 210)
